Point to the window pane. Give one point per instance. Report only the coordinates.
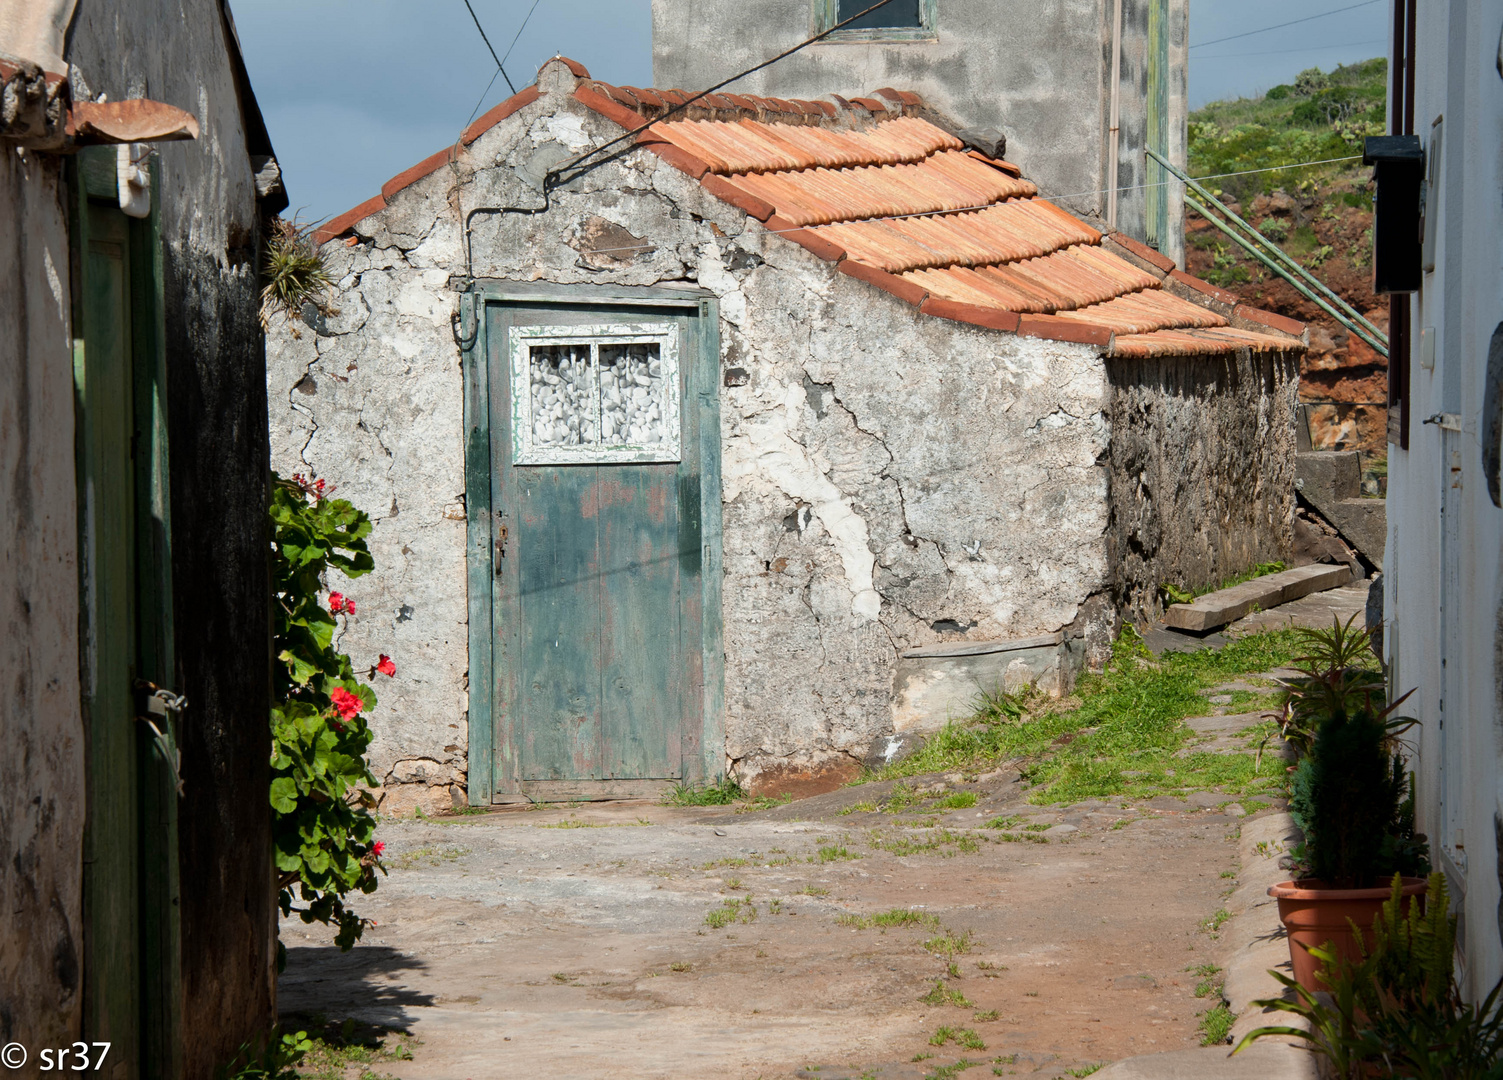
(564, 407)
(633, 396)
(895, 13)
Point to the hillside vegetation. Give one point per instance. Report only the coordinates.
(1321, 215)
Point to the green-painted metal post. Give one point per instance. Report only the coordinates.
(1156, 196)
(1352, 315)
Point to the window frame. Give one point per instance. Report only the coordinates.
(525, 452)
(827, 14)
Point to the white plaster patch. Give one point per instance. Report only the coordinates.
(561, 127)
(766, 450)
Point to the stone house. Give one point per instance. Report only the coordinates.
(753, 443)
(135, 172)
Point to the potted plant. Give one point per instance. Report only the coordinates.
(1353, 799)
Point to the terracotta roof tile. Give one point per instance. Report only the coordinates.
(898, 203)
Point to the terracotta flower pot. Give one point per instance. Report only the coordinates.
(1314, 915)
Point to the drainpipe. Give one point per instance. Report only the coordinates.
(1113, 124)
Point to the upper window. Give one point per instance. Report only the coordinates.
(583, 394)
(897, 20)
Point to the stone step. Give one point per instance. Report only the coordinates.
(1228, 605)
(1331, 481)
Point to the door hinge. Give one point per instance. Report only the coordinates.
(152, 702)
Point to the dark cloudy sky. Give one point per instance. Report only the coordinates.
(354, 91)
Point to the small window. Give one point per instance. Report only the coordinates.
(583, 394)
(898, 20)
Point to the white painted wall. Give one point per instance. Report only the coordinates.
(1444, 599)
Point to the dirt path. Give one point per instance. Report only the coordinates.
(508, 945)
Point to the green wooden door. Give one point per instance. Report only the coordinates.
(130, 966)
(596, 463)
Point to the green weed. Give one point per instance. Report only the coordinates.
(1085, 1070)
(1216, 1025)
(428, 856)
(832, 853)
(1010, 821)
(960, 800)
(941, 842)
(1213, 924)
(884, 919)
(722, 794)
(949, 1072)
(949, 944)
(965, 1037)
(735, 909)
(941, 994)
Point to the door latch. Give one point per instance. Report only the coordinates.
(153, 701)
(501, 535)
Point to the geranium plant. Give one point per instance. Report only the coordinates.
(323, 809)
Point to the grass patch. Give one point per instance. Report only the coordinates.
(1133, 711)
(941, 994)
(572, 823)
(860, 808)
(815, 890)
(1021, 838)
(1008, 821)
(1085, 1070)
(960, 800)
(965, 1037)
(885, 919)
(832, 853)
(949, 944)
(722, 794)
(1216, 1025)
(941, 842)
(736, 909)
(1213, 924)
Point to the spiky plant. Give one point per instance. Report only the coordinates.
(295, 274)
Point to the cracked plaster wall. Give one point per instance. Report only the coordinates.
(890, 479)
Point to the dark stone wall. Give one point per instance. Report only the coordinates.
(1202, 470)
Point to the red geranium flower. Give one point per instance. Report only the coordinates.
(385, 666)
(378, 847)
(337, 602)
(346, 703)
(349, 606)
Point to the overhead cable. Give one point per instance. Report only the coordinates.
(1280, 26)
(499, 65)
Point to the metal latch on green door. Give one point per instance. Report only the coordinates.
(154, 701)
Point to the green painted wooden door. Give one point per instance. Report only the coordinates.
(131, 947)
(596, 530)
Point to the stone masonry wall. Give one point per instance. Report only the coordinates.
(890, 479)
(1202, 470)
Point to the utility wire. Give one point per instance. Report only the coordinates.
(1292, 52)
(500, 67)
(634, 132)
(514, 40)
(1275, 26)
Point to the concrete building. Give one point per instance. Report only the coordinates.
(746, 448)
(1443, 570)
(1078, 88)
(133, 482)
